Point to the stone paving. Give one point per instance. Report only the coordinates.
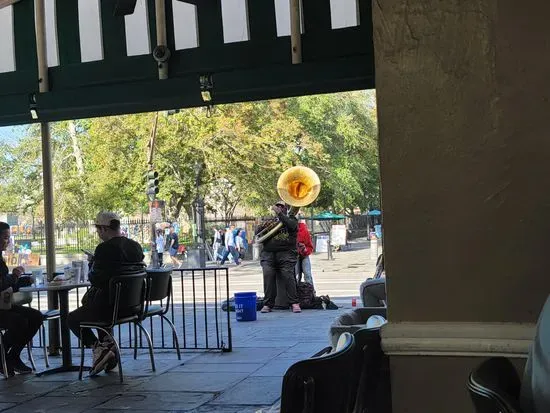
(246, 380)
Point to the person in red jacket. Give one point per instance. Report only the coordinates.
(305, 248)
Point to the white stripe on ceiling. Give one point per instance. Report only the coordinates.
(185, 25)
(51, 34)
(89, 19)
(7, 48)
(137, 30)
(344, 13)
(235, 21)
(282, 14)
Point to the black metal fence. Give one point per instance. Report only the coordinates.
(72, 237)
(195, 310)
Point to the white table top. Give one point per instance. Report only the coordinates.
(55, 286)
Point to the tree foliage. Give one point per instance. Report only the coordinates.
(238, 152)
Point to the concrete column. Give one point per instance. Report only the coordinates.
(463, 91)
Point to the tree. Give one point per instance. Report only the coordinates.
(101, 163)
(344, 124)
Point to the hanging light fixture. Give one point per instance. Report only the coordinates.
(206, 87)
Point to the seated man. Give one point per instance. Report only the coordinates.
(110, 256)
(373, 290)
(21, 323)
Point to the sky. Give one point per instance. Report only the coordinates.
(10, 134)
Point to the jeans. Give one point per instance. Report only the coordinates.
(279, 265)
(304, 266)
(85, 313)
(233, 252)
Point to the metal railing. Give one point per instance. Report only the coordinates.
(72, 237)
(195, 310)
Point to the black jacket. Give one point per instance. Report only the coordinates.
(109, 259)
(285, 238)
(6, 279)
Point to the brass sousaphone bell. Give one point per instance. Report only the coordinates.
(297, 186)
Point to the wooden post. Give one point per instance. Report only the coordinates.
(295, 31)
(47, 176)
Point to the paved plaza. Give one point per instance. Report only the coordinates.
(248, 379)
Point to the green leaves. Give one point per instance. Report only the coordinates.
(100, 163)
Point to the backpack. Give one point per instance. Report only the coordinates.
(306, 294)
(231, 304)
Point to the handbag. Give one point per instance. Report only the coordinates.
(6, 297)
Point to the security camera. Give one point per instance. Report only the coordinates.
(161, 54)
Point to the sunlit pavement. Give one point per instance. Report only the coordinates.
(248, 379)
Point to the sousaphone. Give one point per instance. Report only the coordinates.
(297, 186)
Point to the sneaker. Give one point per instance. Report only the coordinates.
(112, 363)
(16, 365)
(102, 354)
(265, 309)
(296, 308)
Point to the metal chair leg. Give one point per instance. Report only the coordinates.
(175, 335)
(31, 358)
(117, 353)
(81, 357)
(119, 361)
(135, 341)
(3, 355)
(150, 343)
(44, 346)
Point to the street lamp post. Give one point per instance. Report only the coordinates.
(199, 217)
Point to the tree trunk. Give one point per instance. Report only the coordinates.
(77, 153)
(177, 208)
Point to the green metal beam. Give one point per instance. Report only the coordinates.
(261, 68)
(114, 33)
(67, 23)
(183, 92)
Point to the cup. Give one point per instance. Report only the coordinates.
(84, 273)
(67, 272)
(77, 271)
(38, 277)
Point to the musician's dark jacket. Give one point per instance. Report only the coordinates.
(285, 238)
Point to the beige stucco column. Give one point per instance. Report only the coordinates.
(463, 92)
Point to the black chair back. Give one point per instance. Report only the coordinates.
(320, 384)
(159, 285)
(127, 293)
(494, 387)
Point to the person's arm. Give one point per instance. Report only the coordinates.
(99, 275)
(289, 221)
(308, 243)
(172, 240)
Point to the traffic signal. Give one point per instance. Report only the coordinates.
(152, 184)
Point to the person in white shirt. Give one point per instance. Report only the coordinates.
(161, 244)
(239, 244)
(230, 246)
